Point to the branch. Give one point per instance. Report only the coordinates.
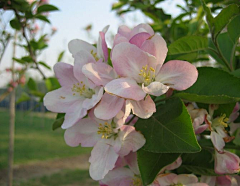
(28, 44)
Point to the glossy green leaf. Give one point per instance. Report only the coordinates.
(151, 163)
(201, 163)
(44, 65)
(15, 24)
(209, 17)
(52, 83)
(32, 85)
(169, 130)
(234, 29)
(23, 97)
(59, 121)
(46, 8)
(213, 86)
(222, 19)
(60, 56)
(236, 73)
(188, 44)
(42, 18)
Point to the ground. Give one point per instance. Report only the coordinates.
(41, 156)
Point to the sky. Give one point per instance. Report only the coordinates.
(70, 21)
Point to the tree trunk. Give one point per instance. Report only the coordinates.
(12, 121)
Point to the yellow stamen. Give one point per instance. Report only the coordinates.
(148, 74)
(106, 130)
(94, 55)
(136, 181)
(82, 90)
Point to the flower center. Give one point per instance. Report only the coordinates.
(82, 90)
(136, 181)
(94, 55)
(148, 74)
(222, 120)
(105, 130)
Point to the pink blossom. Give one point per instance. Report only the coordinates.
(221, 180)
(226, 163)
(22, 80)
(141, 73)
(198, 118)
(182, 179)
(110, 140)
(77, 94)
(10, 89)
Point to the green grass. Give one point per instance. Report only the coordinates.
(65, 177)
(34, 140)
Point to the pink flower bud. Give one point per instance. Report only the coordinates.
(22, 80)
(10, 89)
(226, 163)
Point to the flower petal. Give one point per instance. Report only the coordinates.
(155, 88)
(157, 47)
(64, 74)
(60, 100)
(124, 31)
(128, 60)
(131, 140)
(178, 75)
(217, 141)
(76, 45)
(103, 158)
(89, 103)
(80, 59)
(144, 108)
(139, 39)
(84, 132)
(102, 50)
(99, 73)
(125, 88)
(143, 27)
(108, 107)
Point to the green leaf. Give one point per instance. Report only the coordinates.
(234, 29)
(37, 93)
(169, 130)
(201, 163)
(58, 122)
(151, 163)
(32, 85)
(188, 44)
(46, 8)
(117, 5)
(15, 24)
(213, 86)
(236, 73)
(223, 18)
(24, 97)
(209, 17)
(42, 18)
(52, 83)
(60, 56)
(44, 65)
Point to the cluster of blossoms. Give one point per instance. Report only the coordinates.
(225, 162)
(102, 91)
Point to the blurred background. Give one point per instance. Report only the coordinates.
(41, 157)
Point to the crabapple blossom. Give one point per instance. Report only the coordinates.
(77, 94)
(221, 180)
(226, 163)
(110, 140)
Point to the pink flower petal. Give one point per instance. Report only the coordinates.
(143, 27)
(128, 60)
(166, 179)
(64, 74)
(76, 45)
(185, 179)
(157, 47)
(108, 107)
(131, 160)
(89, 103)
(102, 50)
(139, 39)
(125, 88)
(60, 100)
(81, 58)
(84, 132)
(226, 163)
(99, 73)
(179, 75)
(116, 176)
(155, 88)
(131, 140)
(210, 180)
(103, 158)
(224, 181)
(175, 164)
(144, 108)
(217, 141)
(124, 31)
